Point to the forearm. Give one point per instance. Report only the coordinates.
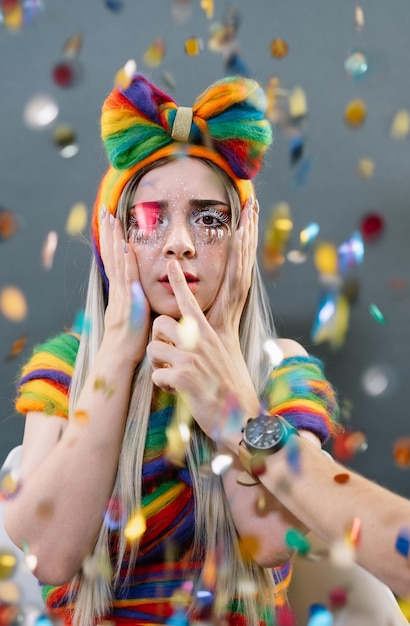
(329, 508)
(59, 508)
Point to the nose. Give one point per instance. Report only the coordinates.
(178, 241)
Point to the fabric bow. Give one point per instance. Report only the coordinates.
(227, 117)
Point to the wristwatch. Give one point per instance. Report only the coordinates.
(262, 435)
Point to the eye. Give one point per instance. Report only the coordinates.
(144, 221)
(212, 217)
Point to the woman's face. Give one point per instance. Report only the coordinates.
(181, 211)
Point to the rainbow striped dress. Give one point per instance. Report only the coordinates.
(297, 389)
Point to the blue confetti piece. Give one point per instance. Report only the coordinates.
(137, 316)
(302, 173)
(403, 542)
(320, 616)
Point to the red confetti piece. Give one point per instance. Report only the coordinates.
(342, 478)
(401, 452)
(338, 597)
(372, 226)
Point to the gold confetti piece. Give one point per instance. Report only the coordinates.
(401, 125)
(261, 503)
(193, 46)
(365, 168)
(326, 259)
(154, 55)
(73, 46)
(341, 478)
(354, 531)
(279, 48)
(77, 219)
(209, 570)
(355, 113)
(17, 347)
(99, 383)
(8, 564)
(188, 332)
(13, 15)
(123, 77)
(249, 546)
(359, 17)
(13, 304)
(208, 7)
(135, 527)
(9, 593)
(81, 417)
(297, 103)
(277, 233)
(49, 248)
(65, 139)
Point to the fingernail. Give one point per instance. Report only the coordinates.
(103, 212)
(249, 203)
(112, 221)
(240, 233)
(257, 207)
(124, 245)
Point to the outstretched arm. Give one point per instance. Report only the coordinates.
(327, 497)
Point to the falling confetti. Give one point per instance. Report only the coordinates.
(65, 139)
(356, 64)
(123, 77)
(371, 226)
(188, 332)
(221, 463)
(193, 46)
(81, 417)
(338, 597)
(403, 541)
(154, 55)
(135, 527)
(401, 125)
(208, 7)
(365, 168)
(48, 251)
(277, 233)
(77, 219)
(341, 478)
(17, 347)
(309, 234)
(114, 514)
(274, 352)
(9, 224)
(401, 452)
(295, 540)
(297, 103)
(359, 17)
(279, 48)
(376, 314)
(8, 564)
(355, 113)
(138, 306)
(13, 304)
(40, 111)
(326, 258)
(354, 532)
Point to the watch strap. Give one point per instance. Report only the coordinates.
(246, 478)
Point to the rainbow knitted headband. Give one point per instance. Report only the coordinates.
(142, 124)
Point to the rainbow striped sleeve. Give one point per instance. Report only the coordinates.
(299, 391)
(46, 377)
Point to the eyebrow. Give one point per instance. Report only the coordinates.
(196, 203)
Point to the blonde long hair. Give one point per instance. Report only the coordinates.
(214, 527)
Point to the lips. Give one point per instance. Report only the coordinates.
(190, 279)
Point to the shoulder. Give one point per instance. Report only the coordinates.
(290, 348)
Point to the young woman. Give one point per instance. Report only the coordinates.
(119, 502)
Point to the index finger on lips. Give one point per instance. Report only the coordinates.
(186, 300)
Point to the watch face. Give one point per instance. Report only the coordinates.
(265, 432)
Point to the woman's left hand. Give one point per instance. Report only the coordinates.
(225, 313)
(201, 370)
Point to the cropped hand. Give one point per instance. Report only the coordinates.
(121, 268)
(225, 313)
(201, 370)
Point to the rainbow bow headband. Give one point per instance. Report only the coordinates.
(142, 124)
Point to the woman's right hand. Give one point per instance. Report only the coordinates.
(128, 315)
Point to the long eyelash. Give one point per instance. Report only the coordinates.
(225, 218)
